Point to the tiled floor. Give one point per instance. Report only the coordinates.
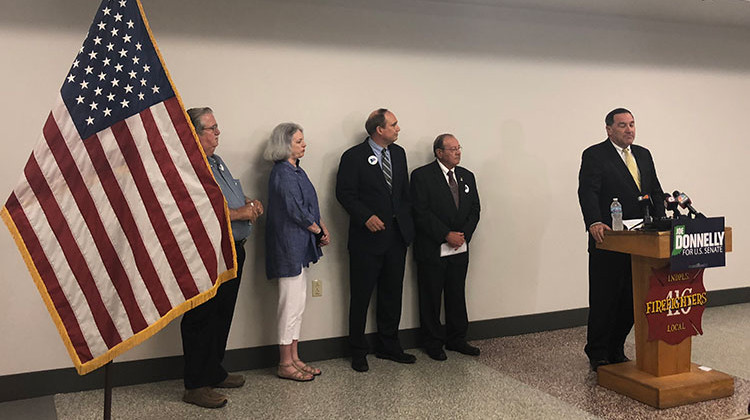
(534, 376)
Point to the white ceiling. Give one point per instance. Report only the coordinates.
(702, 12)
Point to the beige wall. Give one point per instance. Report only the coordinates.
(524, 91)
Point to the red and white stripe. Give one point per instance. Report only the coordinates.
(122, 227)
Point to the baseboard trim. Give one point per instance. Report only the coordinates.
(728, 296)
(48, 382)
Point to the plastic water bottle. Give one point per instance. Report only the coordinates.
(616, 210)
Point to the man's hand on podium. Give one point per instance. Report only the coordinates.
(597, 231)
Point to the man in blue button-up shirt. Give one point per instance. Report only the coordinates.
(205, 328)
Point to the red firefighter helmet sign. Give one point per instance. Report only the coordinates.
(674, 305)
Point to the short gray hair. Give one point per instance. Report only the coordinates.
(279, 146)
(195, 115)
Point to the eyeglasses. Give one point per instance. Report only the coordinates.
(214, 128)
(452, 149)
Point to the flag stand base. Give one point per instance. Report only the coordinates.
(108, 391)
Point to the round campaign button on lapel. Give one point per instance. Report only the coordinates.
(372, 160)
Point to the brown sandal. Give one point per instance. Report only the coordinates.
(296, 375)
(302, 367)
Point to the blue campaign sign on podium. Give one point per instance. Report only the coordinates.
(697, 243)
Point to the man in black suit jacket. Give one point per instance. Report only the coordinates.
(446, 213)
(606, 174)
(373, 186)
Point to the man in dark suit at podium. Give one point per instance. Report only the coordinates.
(613, 168)
(372, 184)
(446, 213)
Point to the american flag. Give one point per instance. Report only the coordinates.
(117, 214)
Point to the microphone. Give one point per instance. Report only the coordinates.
(685, 202)
(670, 203)
(646, 203)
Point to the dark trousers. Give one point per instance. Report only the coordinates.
(387, 272)
(205, 330)
(443, 279)
(610, 304)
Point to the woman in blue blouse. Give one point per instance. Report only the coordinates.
(294, 235)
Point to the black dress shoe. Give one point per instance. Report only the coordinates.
(359, 363)
(464, 348)
(397, 357)
(437, 354)
(596, 363)
(619, 359)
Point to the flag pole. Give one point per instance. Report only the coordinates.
(108, 391)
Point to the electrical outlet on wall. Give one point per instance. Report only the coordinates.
(317, 288)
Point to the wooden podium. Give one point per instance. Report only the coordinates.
(662, 374)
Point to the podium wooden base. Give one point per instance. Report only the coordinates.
(665, 391)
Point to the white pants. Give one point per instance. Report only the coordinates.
(292, 295)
